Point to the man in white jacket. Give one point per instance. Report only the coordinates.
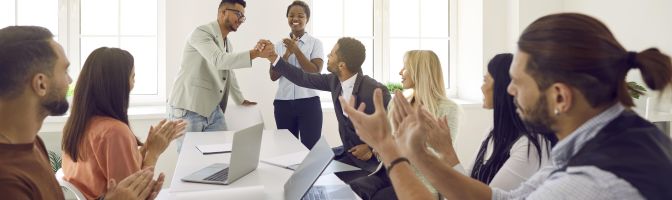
(206, 76)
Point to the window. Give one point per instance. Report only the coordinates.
(388, 28)
(333, 23)
(82, 26)
(128, 24)
(30, 12)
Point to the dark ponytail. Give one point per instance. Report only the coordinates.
(656, 68)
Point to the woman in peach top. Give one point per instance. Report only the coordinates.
(98, 144)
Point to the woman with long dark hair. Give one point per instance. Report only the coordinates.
(510, 154)
(98, 144)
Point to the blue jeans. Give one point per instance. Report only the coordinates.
(196, 122)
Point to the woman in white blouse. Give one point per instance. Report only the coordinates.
(510, 154)
(423, 78)
(297, 108)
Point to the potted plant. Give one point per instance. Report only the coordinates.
(55, 161)
(393, 87)
(635, 90)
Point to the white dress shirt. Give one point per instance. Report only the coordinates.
(346, 87)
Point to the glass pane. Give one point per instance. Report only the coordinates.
(434, 18)
(327, 44)
(144, 53)
(441, 48)
(7, 13)
(398, 47)
(138, 17)
(404, 17)
(100, 17)
(38, 13)
(327, 17)
(88, 44)
(367, 66)
(359, 20)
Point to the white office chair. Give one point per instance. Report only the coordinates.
(238, 117)
(67, 185)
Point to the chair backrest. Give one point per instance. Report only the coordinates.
(239, 117)
(67, 185)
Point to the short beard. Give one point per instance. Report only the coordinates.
(229, 25)
(538, 119)
(334, 70)
(55, 105)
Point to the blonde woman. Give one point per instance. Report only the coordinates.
(422, 77)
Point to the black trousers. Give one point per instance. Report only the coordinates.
(303, 117)
(374, 187)
(348, 176)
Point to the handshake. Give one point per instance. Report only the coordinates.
(264, 49)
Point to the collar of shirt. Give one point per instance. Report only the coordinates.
(346, 89)
(349, 84)
(303, 39)
(571, 145)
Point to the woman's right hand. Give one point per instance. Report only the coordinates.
(161, 135)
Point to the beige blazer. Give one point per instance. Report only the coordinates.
(206, 78)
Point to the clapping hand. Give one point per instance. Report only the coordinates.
(361, 152)
(138, 185)
(290, 44)
(373, 129)
(419, 129)
(161, 135)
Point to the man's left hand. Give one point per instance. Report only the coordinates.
(248, 103)
(361, 152)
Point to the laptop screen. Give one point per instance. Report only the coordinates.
(309, 171)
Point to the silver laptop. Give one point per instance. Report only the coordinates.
(244, 159)
(300, 184)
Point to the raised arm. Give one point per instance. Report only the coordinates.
(312, 64)
(416, 129)
(204, 43)
(375, 130)
(293, 74)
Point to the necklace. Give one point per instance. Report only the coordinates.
(6, 138)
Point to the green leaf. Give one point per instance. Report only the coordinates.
(55, 160)
(393, 87)
(635, 89)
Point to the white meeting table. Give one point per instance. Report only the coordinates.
(269, 178)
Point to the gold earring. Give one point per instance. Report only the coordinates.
(556, 112)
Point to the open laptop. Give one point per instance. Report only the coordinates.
(244, 159)
(300, 184)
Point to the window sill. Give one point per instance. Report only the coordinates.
(465, 104)
(134, 113)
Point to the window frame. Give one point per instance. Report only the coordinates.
(381, 42)
(69, 26)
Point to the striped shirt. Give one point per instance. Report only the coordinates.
(577, 182)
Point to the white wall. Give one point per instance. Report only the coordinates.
(485, 28)
(265, 20)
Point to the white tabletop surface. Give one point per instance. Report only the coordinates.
(266, 179)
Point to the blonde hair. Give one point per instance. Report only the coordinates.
(424, 70)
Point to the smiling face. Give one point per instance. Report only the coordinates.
(488, 91)
(406, 80)
(297, 18)
(333, 61)
(231, 16)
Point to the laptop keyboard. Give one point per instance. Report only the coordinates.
(316, 193)
(221, 175)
